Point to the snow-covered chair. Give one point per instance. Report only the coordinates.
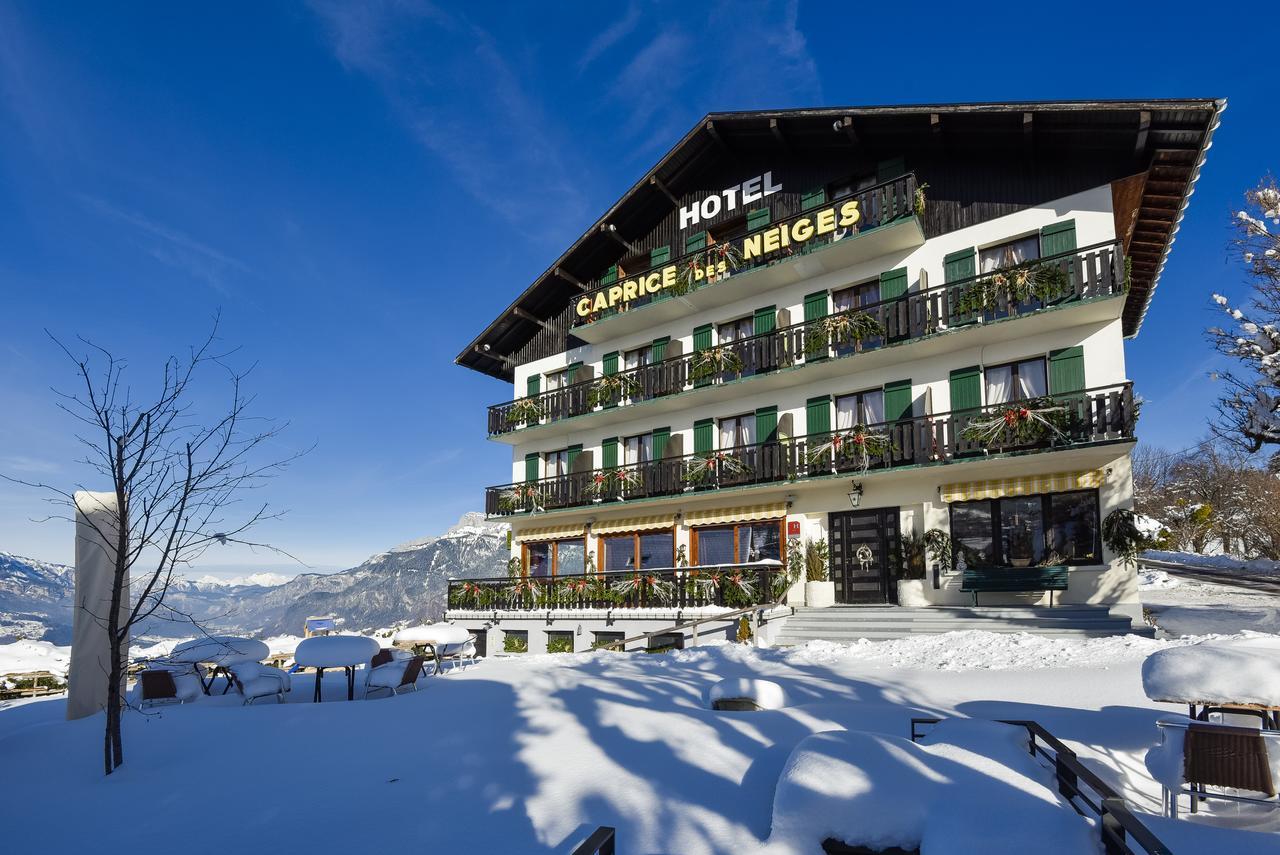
(1195, 755)
(254, 680)
(159, 685)
(459, 651)
(391, 676)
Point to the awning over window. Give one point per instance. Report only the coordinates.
(550, 532)
(969, 491)
(632, 524)
(749, 513)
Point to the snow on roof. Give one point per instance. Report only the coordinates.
(1243, 670)
(867, 789)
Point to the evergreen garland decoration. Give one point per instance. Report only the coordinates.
(858, 441)
(699, 468)
(1021, 423)
(711, 361)
(612, 388)
(526, 411)
(842, 328)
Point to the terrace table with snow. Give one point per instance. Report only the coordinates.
(1237, 675)
(220, 651)
(444, 639)
(335, 651)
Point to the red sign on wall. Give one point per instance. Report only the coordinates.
(793, 528)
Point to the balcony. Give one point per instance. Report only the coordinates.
(721, 273)
(1080, 419)
(1077, 278)
(730, 586)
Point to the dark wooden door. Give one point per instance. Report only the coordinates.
(863, 543)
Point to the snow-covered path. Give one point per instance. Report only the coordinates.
(529, 755)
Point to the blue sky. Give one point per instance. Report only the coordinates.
(360, 188)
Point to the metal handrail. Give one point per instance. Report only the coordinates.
(674, 368)
(1118, 824)
(1102, 413)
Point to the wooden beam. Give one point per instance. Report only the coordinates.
(1028, 135)
(569, 277)
(1144, 128)
(715, 135)
(505, 360)
(847, 123)
(656, 182)
(776, 130)
(530, 316)
(612, 231)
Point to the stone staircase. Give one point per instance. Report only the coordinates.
(849, 623)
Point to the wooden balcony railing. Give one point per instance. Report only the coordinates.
(1080, 418)
(727, 585)
(1059, 280)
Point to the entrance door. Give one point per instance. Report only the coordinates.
(862, 545)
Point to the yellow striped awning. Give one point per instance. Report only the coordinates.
(968, 491)
(748, 513)
(550, 532)
(632, 524)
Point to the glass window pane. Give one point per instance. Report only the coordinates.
(1031, 379)
(999, 383)
(1073, 527)
(1022, 531)
(715, 545)
(570, 557)
(842, 301)
(971, 528)
(656, 549)
(1009, 254)
(846, 411)
(758, 542)
(539, 559)
(619, 551)
(873, 407)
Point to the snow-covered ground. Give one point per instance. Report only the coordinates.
(529, 754)
(1217, 562)
(1182, 606)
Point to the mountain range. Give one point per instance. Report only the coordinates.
(404, 584)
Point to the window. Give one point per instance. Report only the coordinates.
(860, 408)
(557, 463)
(557, 380)
(852, 299)
(637, 449)
(1016, 381)
(639, 550)
(1009, 254)
(638, 358)
(737, 431)
(738, 544)
(555, 557)
(736, 330)
(1029, 531)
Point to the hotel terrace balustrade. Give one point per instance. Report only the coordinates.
(1057, 281)
(1090, 417)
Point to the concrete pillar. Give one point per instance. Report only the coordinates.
(97, 519)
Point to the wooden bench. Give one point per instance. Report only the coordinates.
(1014, 579)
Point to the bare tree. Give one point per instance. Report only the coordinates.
(178, 482)
(1249, 411)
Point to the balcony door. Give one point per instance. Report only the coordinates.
(863, 544)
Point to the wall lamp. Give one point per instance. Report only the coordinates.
(855, 495)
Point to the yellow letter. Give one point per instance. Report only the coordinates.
(750, 247)
(849, 214)
(771, 240)
(629, 290)
(785, 233)
(668, 276)
(802, 230)
(615, 294)
(653, 283)
(584, 307)
(601, 303)
(826, 221)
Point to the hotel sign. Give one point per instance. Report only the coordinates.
(728, 199)
(710, 265)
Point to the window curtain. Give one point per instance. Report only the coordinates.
(999, 384)
(737, 432)
(1009, 254)
(1031, 379)
(846, 412)
(866, 408)
(636, 358)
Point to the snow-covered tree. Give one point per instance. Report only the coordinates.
(1249, 411)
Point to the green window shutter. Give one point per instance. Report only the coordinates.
(815, 306)
(702, 337)
(659, 350)
(959, 265)
(704, 436)
(610, 276)
(574, 451)
(1066, 370)
(609, 453)
(611, 363)
(897, 400)
(887, 170)
(757, 219)
(767, 424)
(966, 389)
(571, 373)
(531, 464)
(695, 242)
(533, 385)
(817, 415)
(765, 320)
(813, 199)
(660, 438)
(1058, 238)
(659, 255)
(893, 283)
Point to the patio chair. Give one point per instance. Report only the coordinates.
(460, 652)
(159, 685)
(394, 675)
(253, 680)
(1193, 756)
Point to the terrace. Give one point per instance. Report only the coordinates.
(1091, 417)
(1081, 277)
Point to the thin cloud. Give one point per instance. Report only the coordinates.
(27, 465)
(609, 37)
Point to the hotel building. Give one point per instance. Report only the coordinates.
(848, 326)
